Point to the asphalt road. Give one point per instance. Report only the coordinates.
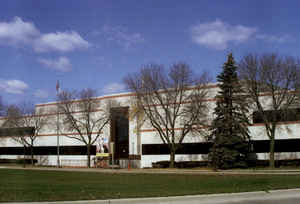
(291, 196)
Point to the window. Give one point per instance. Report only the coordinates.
(277, 115)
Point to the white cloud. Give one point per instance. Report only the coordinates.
(218, 34)
(18, 32)
(275, 39)
(121, 36)
(60, 41)
(13, 86)
(62, 64)
(113, 88)
(41, 93)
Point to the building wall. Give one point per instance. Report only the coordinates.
(139, 137)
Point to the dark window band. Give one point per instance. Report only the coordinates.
(7, 132)
(258, 146)
(48, 150)
(289, 115)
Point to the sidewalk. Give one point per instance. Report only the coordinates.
(291, 196)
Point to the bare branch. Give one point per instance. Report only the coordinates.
(24, 116)
(83, 114)
(170, 100)
(272, 84)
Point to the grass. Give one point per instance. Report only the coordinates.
(36, 185)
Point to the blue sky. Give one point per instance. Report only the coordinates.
(95, 43)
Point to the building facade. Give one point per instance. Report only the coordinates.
(132, 140)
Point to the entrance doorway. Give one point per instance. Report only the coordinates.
(119, 129)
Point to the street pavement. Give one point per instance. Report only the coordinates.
(291, 196)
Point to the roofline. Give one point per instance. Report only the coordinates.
(117, 95)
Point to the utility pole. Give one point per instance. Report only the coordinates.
(57, 124)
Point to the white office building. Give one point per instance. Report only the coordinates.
(142, 146)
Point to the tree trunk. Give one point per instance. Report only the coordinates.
(272, 146)
(89, 156)
(172, 158)
(24, 152)
(272, 149)
(31, 153)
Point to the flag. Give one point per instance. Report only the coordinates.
(57, 86)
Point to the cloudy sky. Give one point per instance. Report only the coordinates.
(95, 43)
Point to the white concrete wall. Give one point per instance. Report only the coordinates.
(144, 136)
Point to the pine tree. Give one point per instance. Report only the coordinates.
(229, 129)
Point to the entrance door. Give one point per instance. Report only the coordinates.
(120, 132)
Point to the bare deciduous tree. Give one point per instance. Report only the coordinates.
(172, 102)
(271, 82)
(25, 116)
(83, 115)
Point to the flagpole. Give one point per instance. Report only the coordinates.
(57, 124)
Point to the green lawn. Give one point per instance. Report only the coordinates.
(36, 185)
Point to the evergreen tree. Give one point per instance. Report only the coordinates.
(229, 129)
